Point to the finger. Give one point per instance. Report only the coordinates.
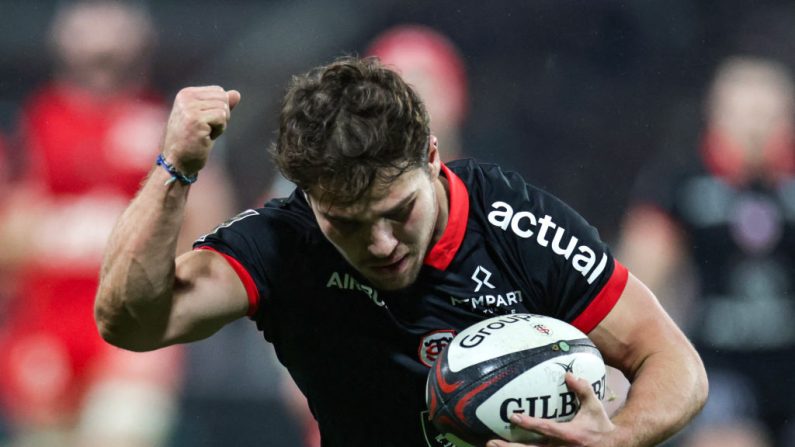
(501, 443)
(550, 429)
(206, 92)
(216, 120)
(212, 108)
(213, 117)
(210, 104)
(216, 131)
(233, 98)
(582, 389)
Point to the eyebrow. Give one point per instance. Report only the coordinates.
(395, 209)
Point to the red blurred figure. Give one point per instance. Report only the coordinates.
(89, 138)
(430, 63)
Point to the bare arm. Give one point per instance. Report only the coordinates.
(669, 384)
(146, 299)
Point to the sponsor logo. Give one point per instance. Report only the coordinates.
(347, 282)
(541, 406)
(488, 302)
(526, 225)
(480, 271)
(542, 329)
(472, 340)
(432, 345)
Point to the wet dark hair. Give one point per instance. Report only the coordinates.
(347, 124)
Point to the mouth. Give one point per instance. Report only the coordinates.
(393, 267)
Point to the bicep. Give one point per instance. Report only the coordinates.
(636, 328)
(208, 294)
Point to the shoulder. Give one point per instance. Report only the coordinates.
(287, 219)
(475, 173)
(492, 188)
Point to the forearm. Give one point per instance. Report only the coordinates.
(134, 298)
(668, 389)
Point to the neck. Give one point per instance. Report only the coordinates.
(442, 191)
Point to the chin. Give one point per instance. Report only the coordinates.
(392, 283)
(391, 286)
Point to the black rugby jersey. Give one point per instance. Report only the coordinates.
(741, 239)
(361, 355)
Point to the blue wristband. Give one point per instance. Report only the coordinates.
(175, 175)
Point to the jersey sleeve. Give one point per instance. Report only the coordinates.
(568, 268)
(259, 246)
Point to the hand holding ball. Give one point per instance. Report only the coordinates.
(505, 365)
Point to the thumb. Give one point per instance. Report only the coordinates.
(233, 97)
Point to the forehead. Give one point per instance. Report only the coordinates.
(381, 197)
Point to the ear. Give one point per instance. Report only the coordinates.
(434, 159)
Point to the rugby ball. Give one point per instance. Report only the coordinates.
(504, 365)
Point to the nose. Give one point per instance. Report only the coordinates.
(382, 241)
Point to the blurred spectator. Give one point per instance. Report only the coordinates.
(6, 284)
(431, 64)
(726, 215)
(4, 167)
(735, 434)
(89, 137)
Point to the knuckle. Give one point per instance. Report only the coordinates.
(192, 116)
(186, 92)
(215, 89)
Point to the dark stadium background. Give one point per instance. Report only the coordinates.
(576, 95)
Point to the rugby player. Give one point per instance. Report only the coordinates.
(380, 254)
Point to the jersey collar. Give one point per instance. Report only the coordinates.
(442, 253)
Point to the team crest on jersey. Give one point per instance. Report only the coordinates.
(432, 345)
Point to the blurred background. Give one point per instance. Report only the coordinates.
(606, 104)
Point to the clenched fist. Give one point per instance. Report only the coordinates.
(199, 116)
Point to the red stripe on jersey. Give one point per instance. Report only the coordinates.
(604, 301)
(248, 281)
(442, 253)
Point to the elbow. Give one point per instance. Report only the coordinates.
(104, 318)
(123, 340)
(697, 390)
(107, 332)
(116, 327)
(701, 391)
(109, 329)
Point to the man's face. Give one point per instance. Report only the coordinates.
(386, 234)
(752, 103)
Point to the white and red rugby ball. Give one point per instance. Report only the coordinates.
(505, 365)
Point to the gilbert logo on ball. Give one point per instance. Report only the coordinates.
(505, 365)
